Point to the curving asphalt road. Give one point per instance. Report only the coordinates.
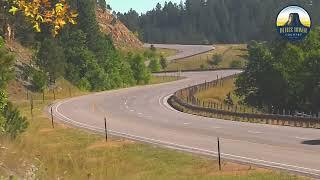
(142, 114)
(184, 50)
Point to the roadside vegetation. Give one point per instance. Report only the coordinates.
(158, 52)
(223, 94)
(224, 56)
(283, 75)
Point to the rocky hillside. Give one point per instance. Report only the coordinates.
(122, 37)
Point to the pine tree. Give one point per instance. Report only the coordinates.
(51, 59)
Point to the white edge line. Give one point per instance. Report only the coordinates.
(188, 148)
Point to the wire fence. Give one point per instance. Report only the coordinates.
(185, 100)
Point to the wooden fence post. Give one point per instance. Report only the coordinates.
(105, 128)
(70, 94)
(31, 106)
(52, 123)
(54, 94)
(219, 154)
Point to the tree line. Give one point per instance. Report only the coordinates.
(283, 75)
(212, 21)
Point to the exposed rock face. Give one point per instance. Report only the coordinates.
(122, 37)
(294, 20)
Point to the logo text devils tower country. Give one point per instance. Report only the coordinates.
(293, 23)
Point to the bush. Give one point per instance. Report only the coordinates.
(84, 84)
(152, 48)
(216, 60)
(154, 65)
(203, 66)
(14, 123)
(236, 64)
(163, 62)
(139, 70)
(229, 100)
(39, 80)
(149, 54)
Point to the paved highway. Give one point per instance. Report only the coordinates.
(184, 50)
(142, 114)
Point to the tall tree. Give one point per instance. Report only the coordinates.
(51, 59)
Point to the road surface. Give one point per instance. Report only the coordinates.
(142, 114)
(183, 50)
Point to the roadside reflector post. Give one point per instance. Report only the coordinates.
(105, 128)
(52, 123)
(219, 155)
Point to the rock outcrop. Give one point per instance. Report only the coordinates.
(122, 37)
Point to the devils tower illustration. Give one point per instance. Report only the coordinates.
(294, 21)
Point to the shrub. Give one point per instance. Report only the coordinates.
(216, 59)
(154, 65)
(236, 64)
(14, 123)
(39, 80)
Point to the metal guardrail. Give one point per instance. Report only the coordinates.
(201, 70)
(184, 100)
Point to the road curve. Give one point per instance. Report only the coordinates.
(142, 114)
(183, 50)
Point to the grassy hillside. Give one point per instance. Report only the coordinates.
(229, 53)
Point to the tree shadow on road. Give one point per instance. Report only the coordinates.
(311, 142)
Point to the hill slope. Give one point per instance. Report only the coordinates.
(123, 38)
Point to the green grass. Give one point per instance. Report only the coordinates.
(68, 153)
(166, 52)
(229, 52)
(163, 79)
(159, 51)
(218, 94)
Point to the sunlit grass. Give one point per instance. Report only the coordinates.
(163, 79)
(229, 52)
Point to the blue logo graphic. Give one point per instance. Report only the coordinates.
(293, 23)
